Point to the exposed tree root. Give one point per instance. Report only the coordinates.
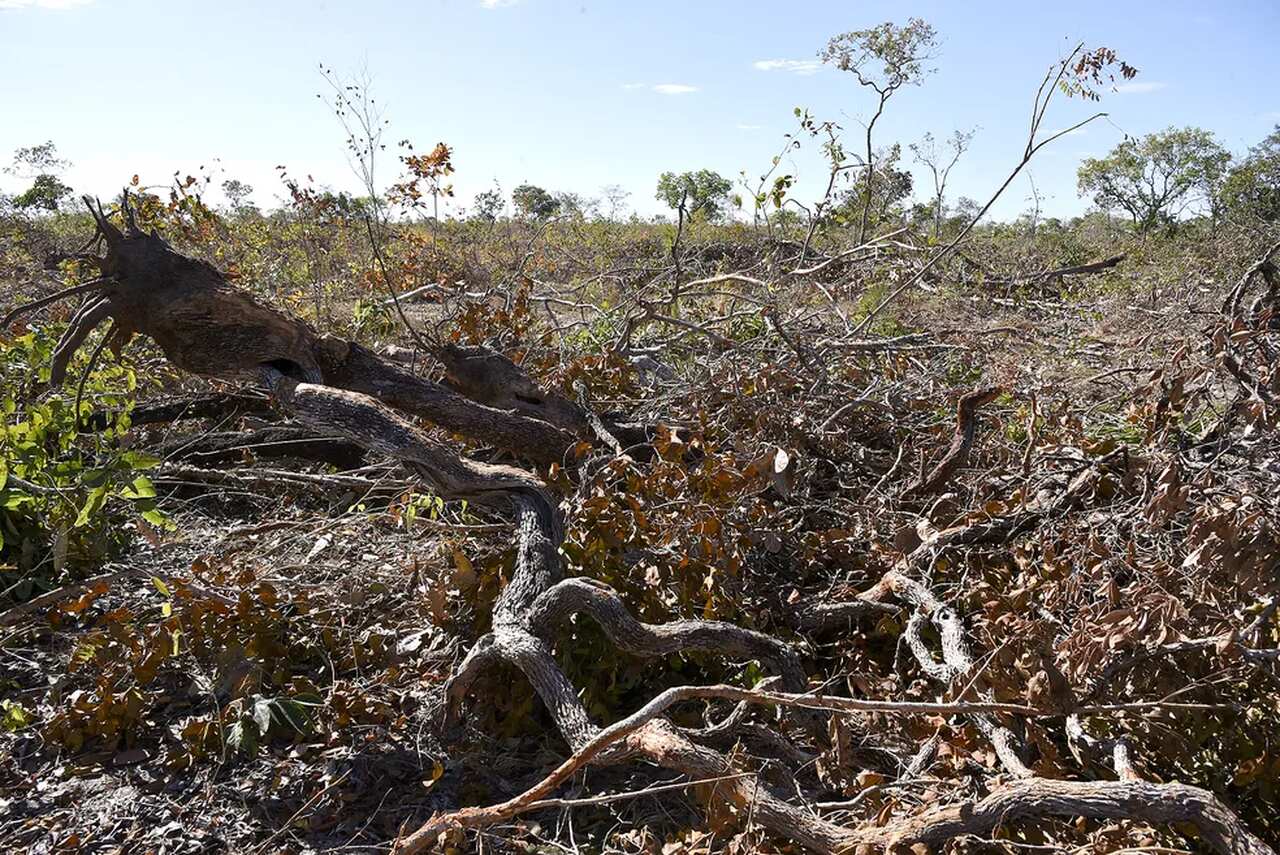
(82, 324)
(208, 327)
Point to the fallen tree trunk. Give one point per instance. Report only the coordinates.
(271, 441)
(207, 327)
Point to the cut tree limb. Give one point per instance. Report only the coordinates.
(270, 441)
(207, 406)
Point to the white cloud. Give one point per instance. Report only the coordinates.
(664, 88)
(674, 89)
(742, 127)
(1140, 88)
(43, 4)
(1273, 116)
(795, 66)
(488, 4)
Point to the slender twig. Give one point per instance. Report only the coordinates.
(610, 798)
(391, 288)
(19, 311)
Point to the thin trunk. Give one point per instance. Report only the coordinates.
(866, 196)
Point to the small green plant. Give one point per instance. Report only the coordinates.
(14, 716)
(61, 486)
(261, 718)
(371, 318)
(884, 325)
(746, 327)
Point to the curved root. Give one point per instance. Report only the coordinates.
(82, 324)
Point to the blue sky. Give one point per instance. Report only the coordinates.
(576, 95)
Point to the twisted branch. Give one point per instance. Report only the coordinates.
(603, 605)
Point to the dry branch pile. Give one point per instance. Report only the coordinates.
(969, 615)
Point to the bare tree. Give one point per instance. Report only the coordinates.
(1080, 74)
(615, 196)
(940, 160)
(363, 121)
(1035, 200)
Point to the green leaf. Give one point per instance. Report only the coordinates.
(158, 519)
(139, 460)
(13, 716)
(293, 713)
(161, 586)
(4, 474)
(142, 488)
(97, 498)
(242, 739)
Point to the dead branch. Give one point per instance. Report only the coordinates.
(1073, 270)
(19, 311)
(265, 442)
(273, 481)
(958, 454)
(208, 406)
(1034, 798)
(67, 592)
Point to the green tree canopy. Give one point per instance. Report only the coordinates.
(239, 195)
(1157, 178)
(489, 204)
(533, 202)
(890, 184)
(41, 164)
(1252, 188)
(703, 193)
(46, 193)
(885, 57)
